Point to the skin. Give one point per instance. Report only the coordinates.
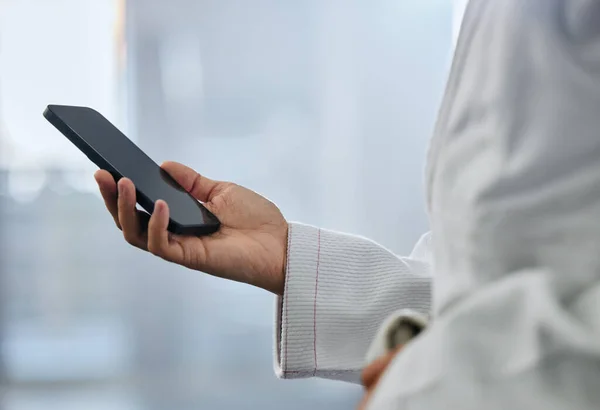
(373, 373)
(250, 246)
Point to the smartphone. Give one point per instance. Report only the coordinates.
(111, 150)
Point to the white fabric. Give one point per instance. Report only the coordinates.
(339, 289)
(458, 12)
(398, 327)
(514, 198)
(513, 184)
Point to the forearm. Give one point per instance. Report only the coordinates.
(339, 289)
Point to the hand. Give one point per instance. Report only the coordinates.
(249, 247)
(372, 373)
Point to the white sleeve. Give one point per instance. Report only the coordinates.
(339, 289)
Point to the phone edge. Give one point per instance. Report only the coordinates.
(103, 164)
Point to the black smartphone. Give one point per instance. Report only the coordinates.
(111, 150)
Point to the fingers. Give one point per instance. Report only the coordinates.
(371, 374)
(200, 187)
(128, 215)
(108, 189)
(158, 236)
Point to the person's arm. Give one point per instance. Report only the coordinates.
(339, 288)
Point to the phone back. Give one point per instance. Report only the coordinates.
(110, 149)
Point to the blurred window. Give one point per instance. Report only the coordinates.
(54, 52)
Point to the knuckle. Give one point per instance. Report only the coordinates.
(129, 238)
(221, 202)
(154, 249)
(195, 182)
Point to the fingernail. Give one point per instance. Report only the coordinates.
(121, 189)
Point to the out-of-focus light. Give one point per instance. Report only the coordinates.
(82, 181)
(25, 185)
(91, 79)
(181, 67)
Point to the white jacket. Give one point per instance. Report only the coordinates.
(339, 289)
(513, 182)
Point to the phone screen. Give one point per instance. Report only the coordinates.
(110, 149)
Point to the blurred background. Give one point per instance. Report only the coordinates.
(324, 106)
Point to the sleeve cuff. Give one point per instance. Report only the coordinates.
(295, 330)
(339, 288)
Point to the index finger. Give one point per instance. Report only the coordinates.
(108, 190)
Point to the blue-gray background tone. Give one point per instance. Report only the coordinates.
(323, 106)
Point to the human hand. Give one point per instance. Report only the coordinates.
(372, 373)
(250, 246)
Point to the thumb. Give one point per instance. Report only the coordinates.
(201, 188)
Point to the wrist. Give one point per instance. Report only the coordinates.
(285, 258)
(273, 278)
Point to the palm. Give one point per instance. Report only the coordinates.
(234, 254)
(250, 242)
